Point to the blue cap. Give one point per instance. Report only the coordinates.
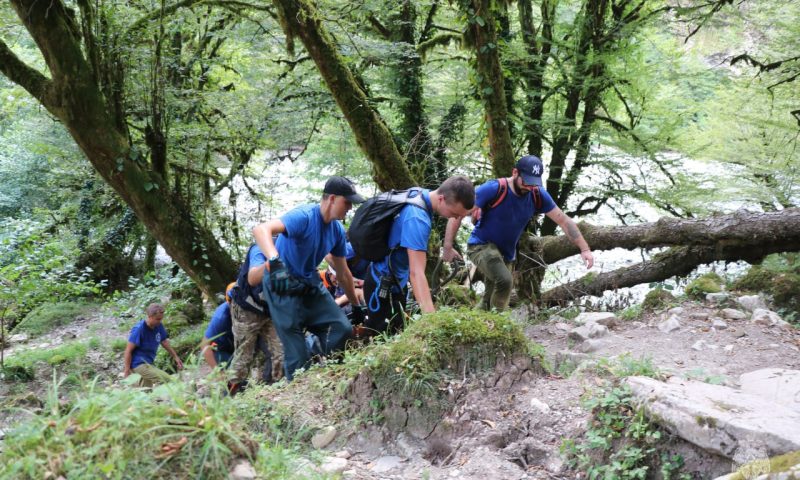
(530, 168)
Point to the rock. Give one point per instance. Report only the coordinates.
(728, 348)
(557, 319)
(699, 345)
(607, 319)
(777, 385)
(587, 331)
(719, 419)
(669, 325)
(569, 359)
(733, 314)
(530, 450)
(592, 345)
(676, 311)
(324, 437)
(18, 338)
(717, 298)
(2, 434)
(699, 315)
(564, 327)
(243, 470)
(751, 302)
(333, 465)
(719, 324)
(384, 464)
(343, 454)
(540, 405)
(768, 318)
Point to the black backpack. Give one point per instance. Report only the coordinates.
(243, 294)
(369, 230)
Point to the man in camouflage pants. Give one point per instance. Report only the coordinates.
(250, 318)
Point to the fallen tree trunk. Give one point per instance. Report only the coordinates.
(741, 235)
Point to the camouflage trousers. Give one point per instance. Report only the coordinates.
(247, 326)
(151, 375)
(496, 275)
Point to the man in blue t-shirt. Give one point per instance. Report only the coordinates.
(143, 342)
(408, 242)
(291, 284)
(493, 243)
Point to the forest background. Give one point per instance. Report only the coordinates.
(194, 116)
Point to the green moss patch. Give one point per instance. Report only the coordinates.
(49, 316)
(704, 284)
(656, 299)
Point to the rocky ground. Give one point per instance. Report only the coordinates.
(512, 426)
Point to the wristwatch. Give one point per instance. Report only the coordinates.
(273, 258)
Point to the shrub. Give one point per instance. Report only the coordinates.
(757, 279)
(656, 299)
(706, 283)
(785, 291)
(134, 433)
(185, 343)
(620, 442)
(48, 316)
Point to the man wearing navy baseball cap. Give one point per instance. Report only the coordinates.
(503, 207)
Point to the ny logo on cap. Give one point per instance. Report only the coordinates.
(535, 169)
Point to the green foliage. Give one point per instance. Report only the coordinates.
(756, 279)
(118, 345)
(48, 316)
(127, 433)
(631, 313)
(656, 299)
(69, 356)
(36, 267)
(186, 342)
(701, 375)
(154, 287)
(627, 366)
(706, 283)
(620, 441)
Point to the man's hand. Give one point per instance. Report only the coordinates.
(588, 258)
(358, 314)
(178, 363)
(278, 276)
(126, 373)
(449, 254)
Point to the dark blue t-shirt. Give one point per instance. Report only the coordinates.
(504, 224)
(220, 329)
(410, 230)
(359, 268)
(147, 341)
(307, 240)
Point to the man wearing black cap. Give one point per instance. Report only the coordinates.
(291, 285)
(503, 207)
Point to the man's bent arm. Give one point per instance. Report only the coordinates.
(419, 283)
(448, 252)
(208, 353)
(126, 358)
(345, 279)
(572, 232)
(263, 234)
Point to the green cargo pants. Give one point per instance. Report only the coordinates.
(151, 375)
(247, 326)
(496, 275)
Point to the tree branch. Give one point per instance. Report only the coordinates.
(33, 81)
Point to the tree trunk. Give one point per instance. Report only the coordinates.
(483, 37)
(300, 18)
(74, 97)
(738, 236)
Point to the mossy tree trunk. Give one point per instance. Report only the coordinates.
(742, 235)
(75, 97)
(300, 19)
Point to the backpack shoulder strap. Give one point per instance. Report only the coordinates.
(502, 191)
(537, 198)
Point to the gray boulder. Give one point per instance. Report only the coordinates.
(718, 419)
(767, 318)
(717, 298)
(587, 331)
(670, 324)
(733, 314)
(751, 302)
(607, 319)
(777, 385)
